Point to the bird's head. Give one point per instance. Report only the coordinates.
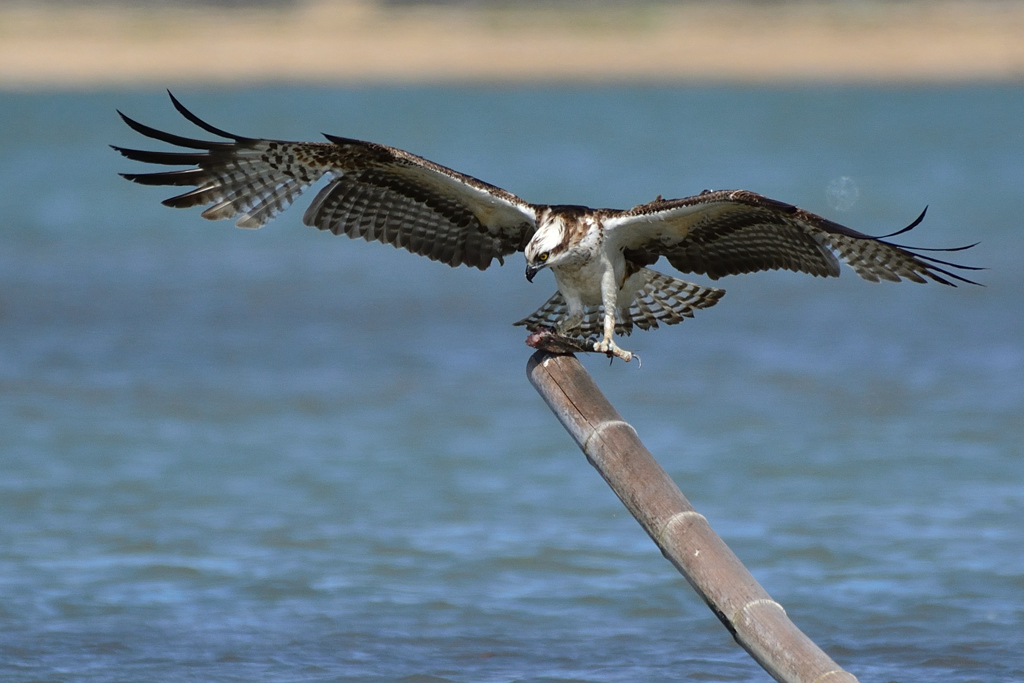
(549, 245)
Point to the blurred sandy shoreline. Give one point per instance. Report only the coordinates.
(349, 42)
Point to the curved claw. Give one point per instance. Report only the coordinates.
(612, 349)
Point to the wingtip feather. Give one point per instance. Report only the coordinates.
(209, 128)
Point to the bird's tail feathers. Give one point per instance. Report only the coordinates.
(660, 299)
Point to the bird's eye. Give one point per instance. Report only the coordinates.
(544, 256)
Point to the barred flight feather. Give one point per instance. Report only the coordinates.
(660, 299)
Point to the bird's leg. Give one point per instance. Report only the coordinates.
(607, 343)
(609, 288)
(571, 322)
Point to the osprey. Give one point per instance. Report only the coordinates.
(599, 257)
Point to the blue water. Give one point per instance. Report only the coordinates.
(285, 456)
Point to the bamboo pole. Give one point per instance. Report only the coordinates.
(758, 623)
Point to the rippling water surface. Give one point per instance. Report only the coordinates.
(285, 456)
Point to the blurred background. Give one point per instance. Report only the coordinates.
(282, 455)
(162, 43)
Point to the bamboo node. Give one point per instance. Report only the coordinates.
(666, 528)
(755, 603)
(840, 673)
(599, 429)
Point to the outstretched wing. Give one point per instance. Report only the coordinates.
(735, 231)
(375, 192)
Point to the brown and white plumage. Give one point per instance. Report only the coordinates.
(598, 256)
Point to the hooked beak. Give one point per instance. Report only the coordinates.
(530, 272)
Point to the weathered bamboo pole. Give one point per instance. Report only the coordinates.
(758, 623)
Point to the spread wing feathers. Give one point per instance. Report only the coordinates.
(659, 298)
(375, 192)
(735, 231)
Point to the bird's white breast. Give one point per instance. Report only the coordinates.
(580, 282)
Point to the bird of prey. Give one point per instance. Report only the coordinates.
(599, 257)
